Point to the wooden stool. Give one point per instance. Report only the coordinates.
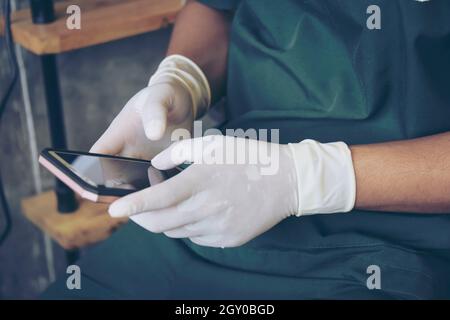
(101, 21)
(89, 224)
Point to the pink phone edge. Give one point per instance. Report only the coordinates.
(85, 194)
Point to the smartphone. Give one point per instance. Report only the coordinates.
(99, 177)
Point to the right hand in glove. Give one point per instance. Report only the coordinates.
(177, 94)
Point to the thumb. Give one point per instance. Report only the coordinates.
(154, 120)
(150, 106)
(176, 154)
(194, 150)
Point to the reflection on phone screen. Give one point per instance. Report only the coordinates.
(108, 172)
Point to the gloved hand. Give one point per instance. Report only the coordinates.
(226, 205)
(177, 93)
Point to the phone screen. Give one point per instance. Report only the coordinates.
(108, 172)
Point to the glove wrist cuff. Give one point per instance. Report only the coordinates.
(190, 76)
(325, 177)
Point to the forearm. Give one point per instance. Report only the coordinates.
(404, 176)
(201, 34)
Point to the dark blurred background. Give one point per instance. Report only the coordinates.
(95, 84)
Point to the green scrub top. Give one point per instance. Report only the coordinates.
(313, 70)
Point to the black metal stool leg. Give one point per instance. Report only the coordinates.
(65, 196)
(43, 12)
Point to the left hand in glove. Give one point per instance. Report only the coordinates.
(226, 205)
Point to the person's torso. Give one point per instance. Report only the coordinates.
(313, 69)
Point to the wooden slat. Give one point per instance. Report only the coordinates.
(89, 224)
(101, 21)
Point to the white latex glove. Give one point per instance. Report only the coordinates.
(177, 94)
(226, 205)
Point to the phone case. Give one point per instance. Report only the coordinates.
(78, 185)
